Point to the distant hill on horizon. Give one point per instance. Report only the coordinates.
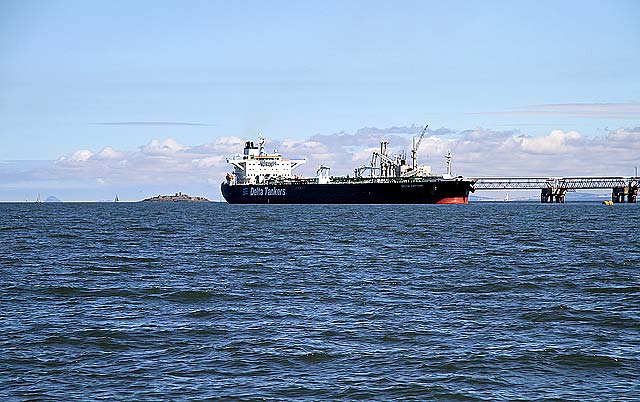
(52, 198)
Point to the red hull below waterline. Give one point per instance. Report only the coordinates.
(454, 200)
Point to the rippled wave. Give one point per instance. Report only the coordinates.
(215, 301)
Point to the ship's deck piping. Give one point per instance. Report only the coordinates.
(360, 180)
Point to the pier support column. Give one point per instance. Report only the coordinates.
(553, 194)
(625, 194)
(632, 197)
(619, 194)
(545, 196)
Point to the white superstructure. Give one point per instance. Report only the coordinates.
(255, 166)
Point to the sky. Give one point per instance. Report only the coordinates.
(148, 97)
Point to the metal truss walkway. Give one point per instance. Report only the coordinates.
(555, 188)
(538, 183)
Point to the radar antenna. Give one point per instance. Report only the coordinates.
(416, 146)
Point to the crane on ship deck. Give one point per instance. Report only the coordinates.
(416, 146)
(385, 165)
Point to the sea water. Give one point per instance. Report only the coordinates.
(140, 301)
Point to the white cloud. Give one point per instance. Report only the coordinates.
(625, 135)
(109, 153)
(363, 154)
(166, 147)
(81, 155)
(227, 145)
(229, 140)
(477, 152)
(557, 142)
(209, 162)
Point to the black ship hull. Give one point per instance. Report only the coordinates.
(428, 191)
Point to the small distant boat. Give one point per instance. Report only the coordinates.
(38, 199)
(607, 202)
(506, 198)
(116, 199)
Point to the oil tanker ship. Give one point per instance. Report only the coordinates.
(262, 178)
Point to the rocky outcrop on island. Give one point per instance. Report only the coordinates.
(177, 197)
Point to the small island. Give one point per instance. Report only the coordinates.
(177, 197)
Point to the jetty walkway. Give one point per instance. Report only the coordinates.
(554, 189)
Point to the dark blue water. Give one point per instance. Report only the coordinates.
(195, 301)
